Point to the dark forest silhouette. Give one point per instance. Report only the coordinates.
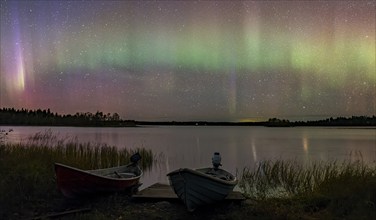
(11, 116)
(339, 121)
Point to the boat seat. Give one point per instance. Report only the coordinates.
(128, 174)
(224, 177)
(121, 175)
(125, 175)
(218, 175)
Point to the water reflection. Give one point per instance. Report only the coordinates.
(254, 152)
(305, 144)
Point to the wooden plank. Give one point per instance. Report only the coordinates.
(156, 191)
(61, 214)
(164, 191)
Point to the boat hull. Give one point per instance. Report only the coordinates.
(73, 182)
(195, 188)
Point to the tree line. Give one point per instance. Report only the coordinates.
(11, 116)
(339, 121)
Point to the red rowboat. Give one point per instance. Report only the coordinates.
(73, 182)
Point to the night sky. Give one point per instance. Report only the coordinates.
(184, 60)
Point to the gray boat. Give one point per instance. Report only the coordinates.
(196, 187)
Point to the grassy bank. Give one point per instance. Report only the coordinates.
(320, 189)
(27, 178)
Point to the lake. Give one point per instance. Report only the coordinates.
(193, 146)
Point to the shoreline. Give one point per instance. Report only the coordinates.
(339, 190)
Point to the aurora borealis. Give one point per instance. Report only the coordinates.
(185, 60)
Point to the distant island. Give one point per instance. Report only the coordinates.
(25, 117)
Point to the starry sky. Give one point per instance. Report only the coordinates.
(187, 60)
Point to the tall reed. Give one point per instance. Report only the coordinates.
(290, 178)
(334, 189)
(26, 169)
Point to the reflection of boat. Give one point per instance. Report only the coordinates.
(202, 186)
(72, 181)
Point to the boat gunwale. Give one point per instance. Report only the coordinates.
(195, 172)
(101, 176)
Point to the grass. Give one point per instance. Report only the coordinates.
(27, 178)
(328, 189)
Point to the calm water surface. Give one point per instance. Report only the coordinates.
(193, 146)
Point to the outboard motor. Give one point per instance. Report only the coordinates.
(216, 160)
(135, 157)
